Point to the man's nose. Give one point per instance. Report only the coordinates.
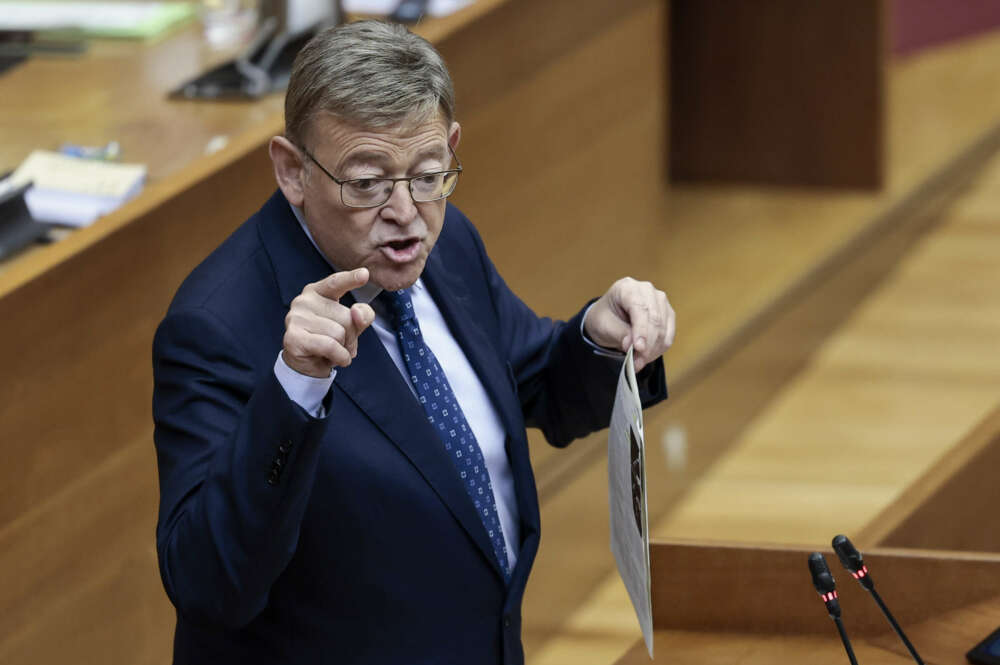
(400, 207)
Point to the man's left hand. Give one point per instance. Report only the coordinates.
(632, 313)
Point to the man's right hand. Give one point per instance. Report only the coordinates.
(320, 333)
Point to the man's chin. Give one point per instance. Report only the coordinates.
(394, 278)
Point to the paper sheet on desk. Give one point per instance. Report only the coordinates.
(382, 7)
(627, 497)
(73, 191)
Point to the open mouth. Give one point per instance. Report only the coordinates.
(402, 245)
(401, 251)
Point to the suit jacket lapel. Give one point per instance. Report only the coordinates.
(295, 260)
(373, 383)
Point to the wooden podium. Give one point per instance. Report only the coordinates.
(726, 603)
(934, 555)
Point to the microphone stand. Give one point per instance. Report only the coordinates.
(827, 589)
(854, 563)
(895, 626)
(843, 638)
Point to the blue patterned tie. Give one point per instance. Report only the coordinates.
(444, 413)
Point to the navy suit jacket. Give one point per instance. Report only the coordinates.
(284, 538)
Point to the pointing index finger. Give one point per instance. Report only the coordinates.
(336, 285)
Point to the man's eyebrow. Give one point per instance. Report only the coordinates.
(364, 158)
(380, 159)
(432, 153)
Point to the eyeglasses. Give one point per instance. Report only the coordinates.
(373, 192)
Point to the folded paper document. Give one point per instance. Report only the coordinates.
(74, 191)
(627, 497)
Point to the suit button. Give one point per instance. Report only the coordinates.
(506, 622)
(285, 447)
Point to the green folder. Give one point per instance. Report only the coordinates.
(122, 20)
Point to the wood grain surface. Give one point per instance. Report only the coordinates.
(779, 92)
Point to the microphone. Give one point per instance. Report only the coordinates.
(824, 583)
(854, 563)
(827, 589)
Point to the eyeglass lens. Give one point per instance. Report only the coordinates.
(370, 192)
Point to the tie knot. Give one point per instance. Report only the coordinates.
(400, 305)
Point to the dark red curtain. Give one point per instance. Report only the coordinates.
(918, 24)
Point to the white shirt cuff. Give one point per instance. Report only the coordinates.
(306, 391)
(598, 350)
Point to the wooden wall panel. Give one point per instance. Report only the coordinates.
(777, 91)
(80, 572)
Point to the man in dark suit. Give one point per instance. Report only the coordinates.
(343, 386)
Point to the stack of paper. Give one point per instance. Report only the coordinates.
(74, 191)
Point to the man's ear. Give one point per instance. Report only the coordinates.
(454, 135)
(288, 169)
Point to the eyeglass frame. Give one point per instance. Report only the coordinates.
(408, 179)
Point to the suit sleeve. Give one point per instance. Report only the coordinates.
(236, 462)
(565, 388)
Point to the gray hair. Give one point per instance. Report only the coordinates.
(370, 74)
